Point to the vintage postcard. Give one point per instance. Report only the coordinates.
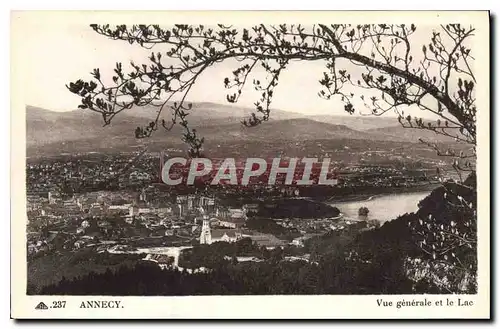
(250, 165)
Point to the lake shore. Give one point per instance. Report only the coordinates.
(379, 193)
(382, 207)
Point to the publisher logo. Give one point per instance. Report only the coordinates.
(41, 306)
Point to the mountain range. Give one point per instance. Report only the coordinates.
(50, 132)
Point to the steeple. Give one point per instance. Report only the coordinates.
(205, 236)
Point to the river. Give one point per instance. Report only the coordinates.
(383, 207)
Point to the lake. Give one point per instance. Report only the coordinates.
(383, 207)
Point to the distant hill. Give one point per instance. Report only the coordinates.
(290, 130)
(357, 122)
(44, 126)
(203, 113)
(409, 134)
(50, 132)
(385, 128)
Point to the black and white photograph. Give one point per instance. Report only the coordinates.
(252, 156)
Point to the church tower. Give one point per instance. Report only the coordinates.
(205, 236)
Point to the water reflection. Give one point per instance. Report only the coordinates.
(382, 208)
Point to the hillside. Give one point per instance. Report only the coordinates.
(357, 122)
(203, 113)
(44, 126)
(409, 135)
(290, 130)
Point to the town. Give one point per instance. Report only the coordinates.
(118, 204)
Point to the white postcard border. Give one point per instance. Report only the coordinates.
(288, 307)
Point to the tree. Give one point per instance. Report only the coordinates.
(363, 211)
(445, 229)
(380, 67)
(379, 60)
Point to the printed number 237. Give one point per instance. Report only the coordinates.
(59, 304)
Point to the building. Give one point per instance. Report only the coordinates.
(225, 235)
(119, 207)
(268, 241)
(205, 235)
(53, 197)
(237, 213)
(232, 222)
(251, 208)
(135, 210)
(80, 244)
(209, 236)
(164, 261)
(298, 242)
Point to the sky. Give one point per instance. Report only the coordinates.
(58, 55)
(55, 54)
